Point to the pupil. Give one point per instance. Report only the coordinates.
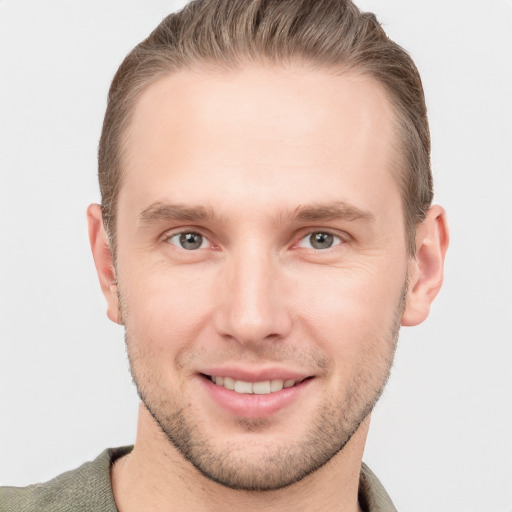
(191, 240)
(321, 240)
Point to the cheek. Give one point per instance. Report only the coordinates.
(165, 308)
(352, 311)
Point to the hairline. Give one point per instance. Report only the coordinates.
(400, 123)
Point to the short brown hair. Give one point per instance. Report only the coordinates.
(228, 33)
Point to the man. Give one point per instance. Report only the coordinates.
(266, 226)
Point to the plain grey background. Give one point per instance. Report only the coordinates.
(441, 438)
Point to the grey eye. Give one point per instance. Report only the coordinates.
(189, 241)
(319, 240)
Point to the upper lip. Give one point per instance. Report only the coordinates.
(255, 375)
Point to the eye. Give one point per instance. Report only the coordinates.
(319, 240)
(189, 241)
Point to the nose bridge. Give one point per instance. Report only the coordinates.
(253, 307)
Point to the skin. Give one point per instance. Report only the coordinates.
(256, 161)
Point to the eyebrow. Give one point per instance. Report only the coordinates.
(163, 211)
(338, 210)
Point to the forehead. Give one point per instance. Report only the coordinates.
(279, 129)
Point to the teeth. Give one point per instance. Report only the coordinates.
(276, 385)
(228, 383)
(261, 388)
(243, 387)
(257, 388)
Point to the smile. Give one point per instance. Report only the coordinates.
(253, 396)
(263, 387)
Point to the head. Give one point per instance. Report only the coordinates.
(265, 226)
(227, 34)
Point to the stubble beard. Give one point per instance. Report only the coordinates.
(275, 467)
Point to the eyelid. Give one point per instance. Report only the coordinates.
(204, 241)
(340, 237)
(183, 230)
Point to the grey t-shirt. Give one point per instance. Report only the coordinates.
(88, 489)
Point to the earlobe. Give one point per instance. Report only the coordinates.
(426, 269)
(103, 260)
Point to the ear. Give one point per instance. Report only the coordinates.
(104, 261)
(426, 269)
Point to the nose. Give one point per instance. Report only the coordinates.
(252, 301)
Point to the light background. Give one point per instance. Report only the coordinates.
(441, 438)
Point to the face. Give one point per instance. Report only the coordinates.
(261, 265)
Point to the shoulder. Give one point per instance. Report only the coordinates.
(86, 488)
(372, 495)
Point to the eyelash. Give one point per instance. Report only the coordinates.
(188, 232)
(336, 240)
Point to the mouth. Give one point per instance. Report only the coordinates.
(263, 387)
(251, 395)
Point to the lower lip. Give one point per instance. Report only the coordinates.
(254, 406)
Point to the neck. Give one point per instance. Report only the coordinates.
(155, 476)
